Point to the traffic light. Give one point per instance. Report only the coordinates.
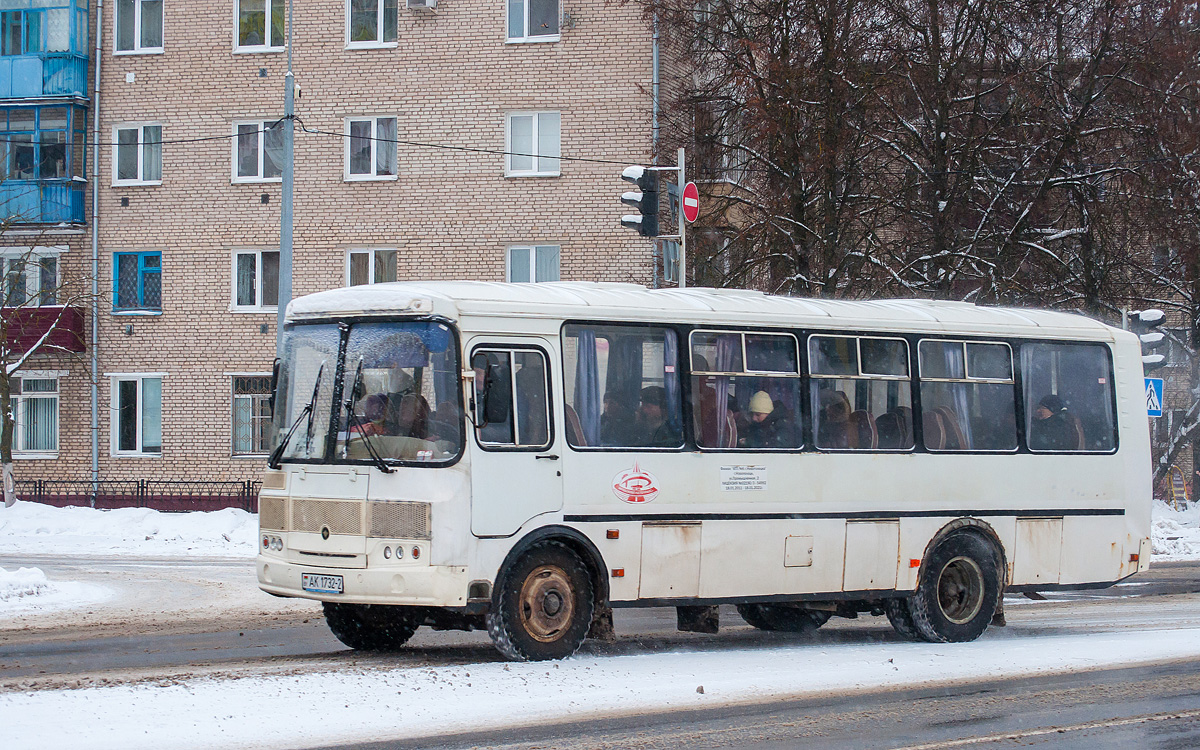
(1143, 324)
(646, 201)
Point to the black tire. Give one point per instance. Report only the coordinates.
(542, 606)
(782, 618)
(900, 617)
(371, 627)
(958, 590)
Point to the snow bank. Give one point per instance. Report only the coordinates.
(1176, 533)
(306, 710)
(28, 589)
(37, 529)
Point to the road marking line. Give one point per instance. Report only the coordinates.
(1054, 730)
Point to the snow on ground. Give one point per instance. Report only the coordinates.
(1176, 533)
(347, 706)
(27, 589)
(37, 529)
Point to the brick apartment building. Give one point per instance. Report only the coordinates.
(187, 216)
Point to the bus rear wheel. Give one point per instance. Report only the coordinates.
(900, 617)
(782, 618)
(542, 607)
(958, 591)
(371, 627)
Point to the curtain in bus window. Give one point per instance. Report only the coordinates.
(624, 377)
(729, 357)
(1068, 397)
(956, 366)
(671, 381)
(586, 403)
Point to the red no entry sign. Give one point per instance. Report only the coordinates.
(691, 202)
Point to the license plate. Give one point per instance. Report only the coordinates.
(320, 584)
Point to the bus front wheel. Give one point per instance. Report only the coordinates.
(958, 590)
(542, 607)
(782, 618)
(371, 627)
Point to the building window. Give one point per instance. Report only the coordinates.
(370, 266)
(533, 144)
(137, 414)
(536, 263)
(254, 33)
(256, 279)
(137, 155)
(30, 276)
(137, 281)
(139, 26)
(258, 151)
(371, 148)
(44, 143)
(251, 414)
(371, 23)
(533, 20)
(30, 27)
(35, 409)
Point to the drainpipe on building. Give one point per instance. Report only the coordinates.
(654, 135)
(285, 207)
(95, 374)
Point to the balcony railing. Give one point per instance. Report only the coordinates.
(45, 74)
(41, 201)
(25, 326)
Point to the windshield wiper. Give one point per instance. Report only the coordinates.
(353, 421)
(308, 411)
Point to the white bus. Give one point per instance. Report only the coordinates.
(525, 457)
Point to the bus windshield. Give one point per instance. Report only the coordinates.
(400, 399)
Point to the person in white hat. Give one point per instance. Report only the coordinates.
(763, 430)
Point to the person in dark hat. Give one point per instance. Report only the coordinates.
(652, 427)
(1052, 428)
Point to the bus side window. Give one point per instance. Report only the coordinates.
(861, 393)
(514, 381)
(1068, 397)
(967, 398)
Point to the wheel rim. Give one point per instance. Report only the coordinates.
(960, 590)
(547, 603)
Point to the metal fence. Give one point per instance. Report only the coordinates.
(158, 494)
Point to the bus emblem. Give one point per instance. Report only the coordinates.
(635, 486)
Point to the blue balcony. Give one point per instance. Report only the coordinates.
(45, 74)
(41, 201)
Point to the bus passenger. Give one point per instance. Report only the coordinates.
(763, 429)
(653, 430)
(1053, 428)
(617, 421)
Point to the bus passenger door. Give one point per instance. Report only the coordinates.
(516, 471)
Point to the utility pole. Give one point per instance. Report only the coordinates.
(285, 211)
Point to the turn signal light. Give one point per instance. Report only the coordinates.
(618, 573)
(914, 563)
(1134, 557)
(612, 534)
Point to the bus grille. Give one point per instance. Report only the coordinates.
(272, 513)
(398, 520)
(313, 515)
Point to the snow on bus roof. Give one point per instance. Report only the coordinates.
(619, 301)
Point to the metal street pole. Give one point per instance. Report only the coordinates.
(285, 212)
(682, 225)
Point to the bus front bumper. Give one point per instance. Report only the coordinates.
(425, 585)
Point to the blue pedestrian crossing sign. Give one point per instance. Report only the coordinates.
(1154, 397)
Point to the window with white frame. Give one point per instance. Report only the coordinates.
(258, 151)
(533, 144)
(35, 410)
(255, 279)
(30, 276)
(533, 263)
(137, 154)
(371, 23)
(139, 26)
(136, 414)
(533, 20)
(260, 25)
(251, 415)
(371, 148)
(370, 266)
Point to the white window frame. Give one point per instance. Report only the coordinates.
(371, 253)
(262, 151)
(141, 153)
(258, 305)
(525, 38)
(114, 412)
(533, 253)
(265, 46)
(33, 283)
(378, 42)
(18, 411)
(374, 175)
(537, 170)
(233, 397)
(138, 49)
